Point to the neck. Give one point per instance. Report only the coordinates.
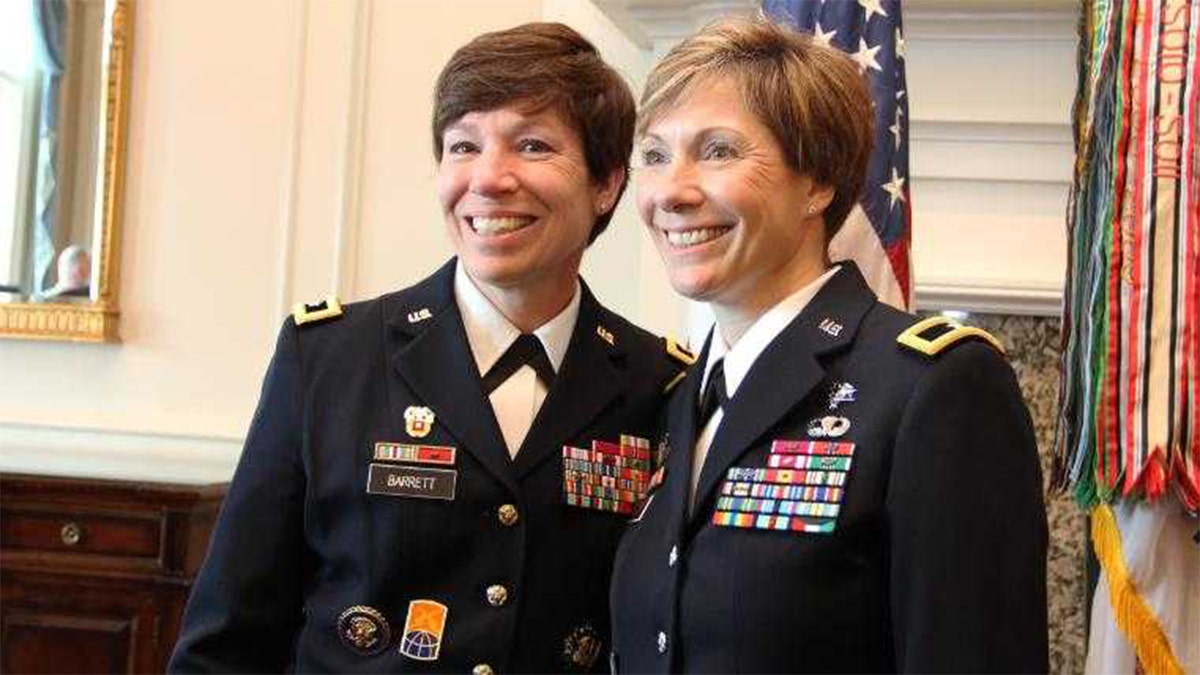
(529, 306)
(736, 317)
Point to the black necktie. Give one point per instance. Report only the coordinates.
(526, 351)
(714, 394)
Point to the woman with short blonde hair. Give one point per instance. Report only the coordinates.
(846, 488)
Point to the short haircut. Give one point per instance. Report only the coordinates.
(539, 66)
(813, 99)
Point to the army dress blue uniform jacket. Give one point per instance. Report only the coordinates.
(300, 540)
(934, 560)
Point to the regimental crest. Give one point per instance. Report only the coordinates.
(418, 421)
(581, 648)
(423, 630)
(364, 630)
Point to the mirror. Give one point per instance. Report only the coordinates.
(64, 93)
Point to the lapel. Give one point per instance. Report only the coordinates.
(432, 356)
(786, 372)
(592, 375)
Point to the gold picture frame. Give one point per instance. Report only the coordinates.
(94, 321)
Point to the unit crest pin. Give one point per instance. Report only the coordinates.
(418, 421)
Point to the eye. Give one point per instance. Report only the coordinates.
(653, 156)
(720, 151)
(533, 146)
(462, 148)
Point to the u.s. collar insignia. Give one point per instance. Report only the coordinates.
(420, 315)
(423, 630)
(364, 630)
(828, 427)
(831, 327)
(605, 334)
(581, 648)
(418, 421)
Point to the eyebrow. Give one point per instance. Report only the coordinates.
(706, 131)
(522, 126)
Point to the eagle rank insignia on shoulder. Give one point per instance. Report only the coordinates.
(327, 309)
(934, 335)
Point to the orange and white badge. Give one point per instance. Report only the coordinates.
(423, 629)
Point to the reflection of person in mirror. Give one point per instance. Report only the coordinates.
(74, 273)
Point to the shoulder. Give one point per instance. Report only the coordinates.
(329, 328)
(892, 343)
(661, 357)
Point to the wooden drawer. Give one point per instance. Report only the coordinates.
(94, 573)
(79, 531)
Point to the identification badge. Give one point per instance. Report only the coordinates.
(411, 481)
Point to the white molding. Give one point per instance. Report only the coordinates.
(658, 24)
(291, 163)
(991, 20)
(117, 454)
(345, 243)
(984, 298)
(992, 151)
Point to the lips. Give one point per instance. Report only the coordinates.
(694, 237)
(491, 226)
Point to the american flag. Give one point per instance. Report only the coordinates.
(877, 234)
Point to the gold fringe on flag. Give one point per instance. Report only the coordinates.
(1133, 616)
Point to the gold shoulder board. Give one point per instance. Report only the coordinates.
(329, 308)
(934, 335)
(679, 353)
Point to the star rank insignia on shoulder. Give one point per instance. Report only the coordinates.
(682, 356)
(326, 310)
(936, 334)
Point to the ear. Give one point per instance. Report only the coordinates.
(819, 198)
(607, 191)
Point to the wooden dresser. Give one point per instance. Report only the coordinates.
(94, 573)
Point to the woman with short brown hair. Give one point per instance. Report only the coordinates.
(846, 488)
(422, 488)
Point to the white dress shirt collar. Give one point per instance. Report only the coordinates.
(740, 357)
(490, 333)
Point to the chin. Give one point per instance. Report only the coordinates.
(494, 271)
(693, 286)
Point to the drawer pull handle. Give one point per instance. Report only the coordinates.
(71, 534)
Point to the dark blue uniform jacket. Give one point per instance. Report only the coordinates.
(936, 559)
(300, 540)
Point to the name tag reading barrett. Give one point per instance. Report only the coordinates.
(411, 481)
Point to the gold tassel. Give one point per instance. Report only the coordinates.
(1132, 615)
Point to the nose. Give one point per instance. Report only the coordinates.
(677, 190)
(492, 173)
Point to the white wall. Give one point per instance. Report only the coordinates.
(286, 154)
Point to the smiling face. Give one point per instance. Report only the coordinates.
(734, 224)
(517, 198)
